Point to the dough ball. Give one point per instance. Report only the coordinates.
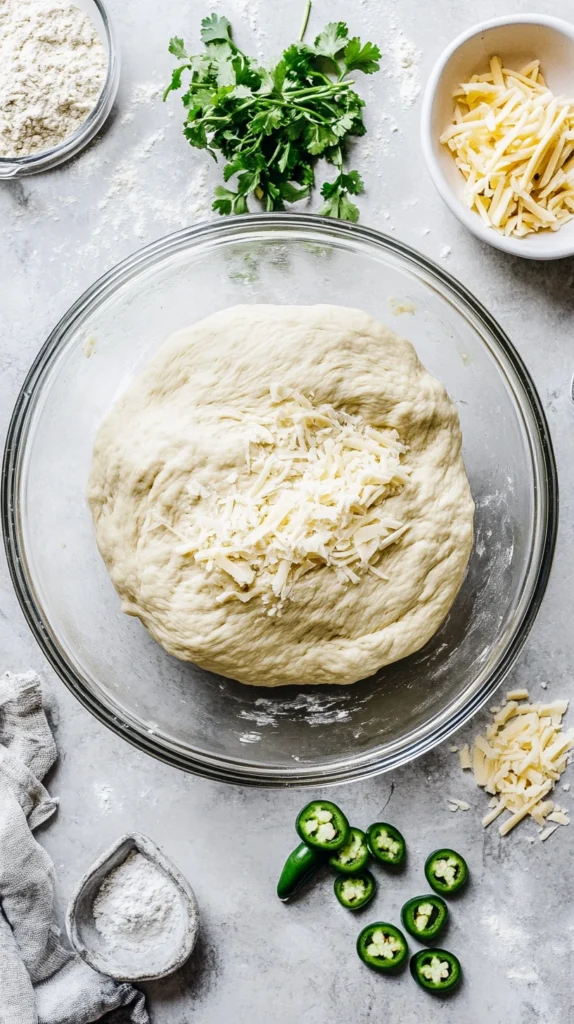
(178, 434)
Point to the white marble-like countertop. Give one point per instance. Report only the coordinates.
(259, 961)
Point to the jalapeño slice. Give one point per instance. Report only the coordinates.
(446, 871)
(424, 917)
(323, 826)
(382, 947)
(355, 891)
(436, 970)
(353, 856)
(387, 844)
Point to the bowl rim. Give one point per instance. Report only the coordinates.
(469, 218)
(46, 159)
(232, 769)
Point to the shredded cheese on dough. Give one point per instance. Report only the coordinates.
(520, 759)
(513, 140)
(314, 494)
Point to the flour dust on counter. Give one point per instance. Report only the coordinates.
(406, 63)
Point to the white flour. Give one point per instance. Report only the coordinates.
(135, 903)
(52, 69)
(406, 59)
(102, 793)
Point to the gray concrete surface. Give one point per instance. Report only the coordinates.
(258, 960)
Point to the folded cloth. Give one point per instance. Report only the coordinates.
(41, 982)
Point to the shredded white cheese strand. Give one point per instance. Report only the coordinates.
(519, 761)
(513, 141)
(314, 493)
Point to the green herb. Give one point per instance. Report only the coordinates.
(271, 126)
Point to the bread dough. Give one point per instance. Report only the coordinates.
(172, 425)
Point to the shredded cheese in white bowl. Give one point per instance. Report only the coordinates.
(496, 132)
(513, 140)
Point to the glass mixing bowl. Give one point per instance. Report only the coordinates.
(191, 718)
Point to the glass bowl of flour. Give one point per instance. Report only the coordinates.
(176, 711)
(59, 76)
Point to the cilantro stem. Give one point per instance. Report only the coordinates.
(320, 90)
(305, 20)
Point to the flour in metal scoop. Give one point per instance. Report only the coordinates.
(136, 902)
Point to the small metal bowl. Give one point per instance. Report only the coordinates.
(131, 964)
(16, 167)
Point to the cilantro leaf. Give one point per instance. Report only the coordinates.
(218, 52)
(248, 181)
(215, 29)
(242, 92)
(273, 200)
(223, 202)
(196, 134)
(225, 73)
(361, 58)
(177, 47)
(240, 205)
(230, 169)
(266, 84)
(293, 194)
(318, 137)
(353, 183)
(332, 39)
(298, 59)
(341, 207)
(347, 210)
(175, 80)
(267, 120)
(306, 175)
(227, 202)
(343, 125)
(336, 194)
(283, 160)
(278, 75)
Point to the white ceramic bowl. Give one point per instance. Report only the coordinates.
(517, 40)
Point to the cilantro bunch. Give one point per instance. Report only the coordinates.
(271, 126)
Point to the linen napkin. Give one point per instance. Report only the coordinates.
(41, 982)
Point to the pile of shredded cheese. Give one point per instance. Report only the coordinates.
(514, 142)
(520, 759)
(317, 482)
